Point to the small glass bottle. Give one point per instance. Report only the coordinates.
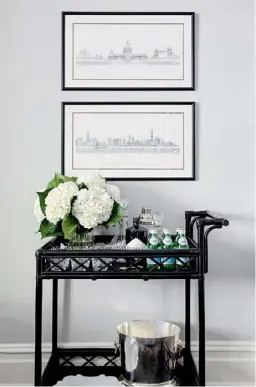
(153, 244)
(167, 244)
(182, 244)
(179, 232)
(136, 231)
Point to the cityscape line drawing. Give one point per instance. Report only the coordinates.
(127, 56)
(128, 144)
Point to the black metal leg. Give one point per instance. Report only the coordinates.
(201, 331)
(54, 315)
(187, 314)
(38, 331)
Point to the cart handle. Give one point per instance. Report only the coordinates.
(207, 217)
(202, 219)
(211, 219)
(204, 226)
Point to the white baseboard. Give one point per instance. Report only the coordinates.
(227, 363)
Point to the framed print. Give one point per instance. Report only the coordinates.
(127, 51)
(129, 140)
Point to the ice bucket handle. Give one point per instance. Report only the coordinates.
(117, 345)
(178, 353)
(180, 347)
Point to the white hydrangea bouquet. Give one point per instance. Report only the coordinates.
(70, 206)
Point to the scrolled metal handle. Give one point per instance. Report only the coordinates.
(179, 349)
(116, 345)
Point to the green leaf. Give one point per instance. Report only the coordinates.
(66, 179)
(81, 186)
(48, 229)
(58, 231)
(54, 182)
(69, 226)
(42, 196)
(58, 178)
(116, 215)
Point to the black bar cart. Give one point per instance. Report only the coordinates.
(80, 265)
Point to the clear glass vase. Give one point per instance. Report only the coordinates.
(83, 241)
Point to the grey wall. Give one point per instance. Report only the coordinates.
(30, 40)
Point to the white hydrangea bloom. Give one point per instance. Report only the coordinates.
(58, 201)
(92, 207)
(114, 192)
(95, 180)
(37, 211)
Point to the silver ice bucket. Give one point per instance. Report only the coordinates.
(148, 351)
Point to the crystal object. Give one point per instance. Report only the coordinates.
(136, 231)
(82, 241)
(136, 238)
(158, 217)
(119, 241)
(136, 244)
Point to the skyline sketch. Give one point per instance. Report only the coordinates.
(128, 144)
(127, 56)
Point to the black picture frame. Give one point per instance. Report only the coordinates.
(68, 88)
(193, 142)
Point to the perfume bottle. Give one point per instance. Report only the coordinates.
(136, 231)
(146, 218)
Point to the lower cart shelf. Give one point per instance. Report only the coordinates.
(97, 361)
